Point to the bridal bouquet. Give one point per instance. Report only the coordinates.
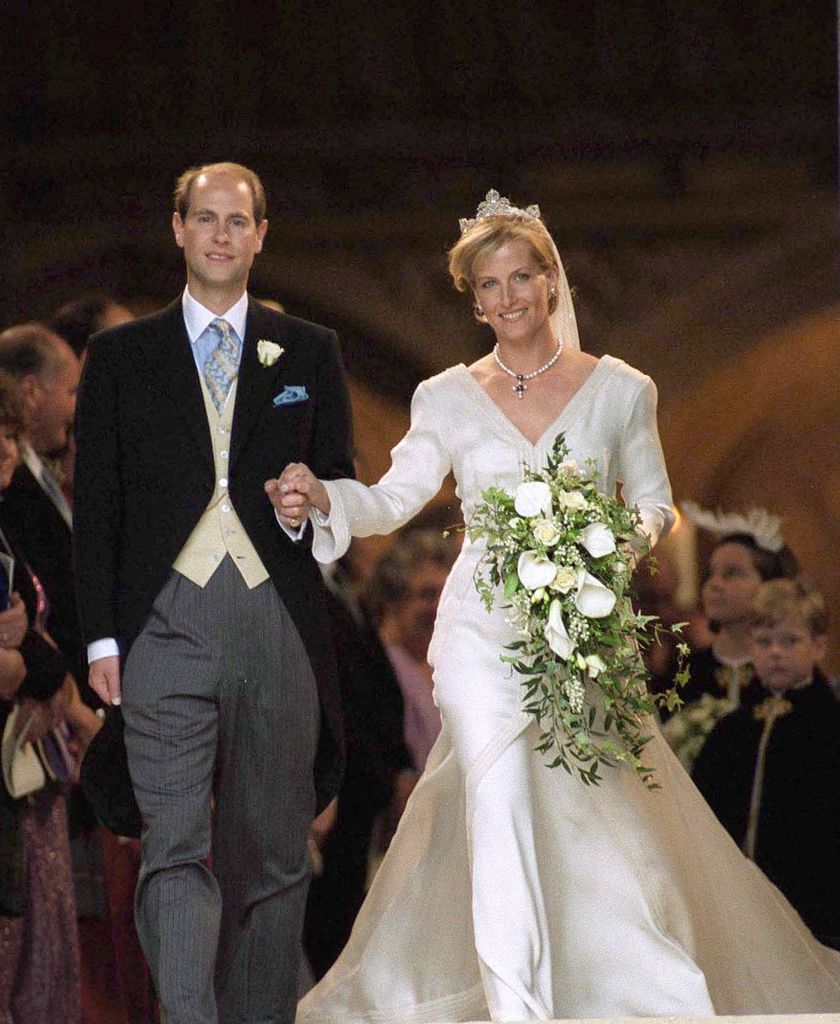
(563, 554)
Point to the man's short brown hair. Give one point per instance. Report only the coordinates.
(184, 184)
(778, 600)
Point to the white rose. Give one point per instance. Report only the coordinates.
(593, 599)
(555, 633)
(570, 467)
(565, 579)
(545, 532)
(532, 498)
(598, 539)
(268, 352)
(534, 570)
(574, 500)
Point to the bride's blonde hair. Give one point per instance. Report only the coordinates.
(491, 233)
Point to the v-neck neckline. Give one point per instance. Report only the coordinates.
(492, 406)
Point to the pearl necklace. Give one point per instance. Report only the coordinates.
(520, 387)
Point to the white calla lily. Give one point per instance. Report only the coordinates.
(595, 665)
(534, 570)
(532, 499)
(598, 539)
(556, 634)
(593, 599)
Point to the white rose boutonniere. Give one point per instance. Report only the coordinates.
(268, 352)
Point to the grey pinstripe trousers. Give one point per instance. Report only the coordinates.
(219, 700)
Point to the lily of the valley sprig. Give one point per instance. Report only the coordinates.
(268, 352)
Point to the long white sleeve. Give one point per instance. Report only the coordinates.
(641, 466)
(419, 464)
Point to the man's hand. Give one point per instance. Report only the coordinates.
(104, 679)
(294, 492)
(13, 622)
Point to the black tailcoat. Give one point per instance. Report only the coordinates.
(145, 475)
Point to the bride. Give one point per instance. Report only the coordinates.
(511, 891)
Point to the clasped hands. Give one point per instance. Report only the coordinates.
(295, 492)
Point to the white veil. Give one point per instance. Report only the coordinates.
(563, 319)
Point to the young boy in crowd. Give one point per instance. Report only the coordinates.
(771, 772)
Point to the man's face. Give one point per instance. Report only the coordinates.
(219, 237)
(51, 399)
(784, 654)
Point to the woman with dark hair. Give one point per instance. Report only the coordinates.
(749, 550)
(39, 954)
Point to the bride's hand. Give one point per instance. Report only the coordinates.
(292, 494)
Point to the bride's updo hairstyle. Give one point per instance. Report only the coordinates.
(487, 235)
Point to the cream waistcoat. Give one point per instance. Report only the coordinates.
(219, 531)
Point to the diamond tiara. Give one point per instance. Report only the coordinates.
(495, 205)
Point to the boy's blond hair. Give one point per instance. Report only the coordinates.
(777, 600)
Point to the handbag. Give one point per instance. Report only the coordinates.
(23, 770)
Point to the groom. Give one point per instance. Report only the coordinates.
(203, 611)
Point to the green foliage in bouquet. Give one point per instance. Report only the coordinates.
(562, 555)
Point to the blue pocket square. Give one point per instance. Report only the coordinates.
(291, 395)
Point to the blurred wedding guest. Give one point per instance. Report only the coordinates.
(46, 372)
(76, 322)
(39, 953)
(771, 772)
(749, 549)
(379, 774)
(403, 595)
(122, 966)
(94, 311)
(36, 511)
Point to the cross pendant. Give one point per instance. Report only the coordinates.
(520, 387)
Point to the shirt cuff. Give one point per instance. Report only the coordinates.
(294, 535)
(105, 648)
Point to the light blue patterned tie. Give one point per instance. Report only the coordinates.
(222, 364)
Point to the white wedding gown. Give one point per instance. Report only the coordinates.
(512, 891)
